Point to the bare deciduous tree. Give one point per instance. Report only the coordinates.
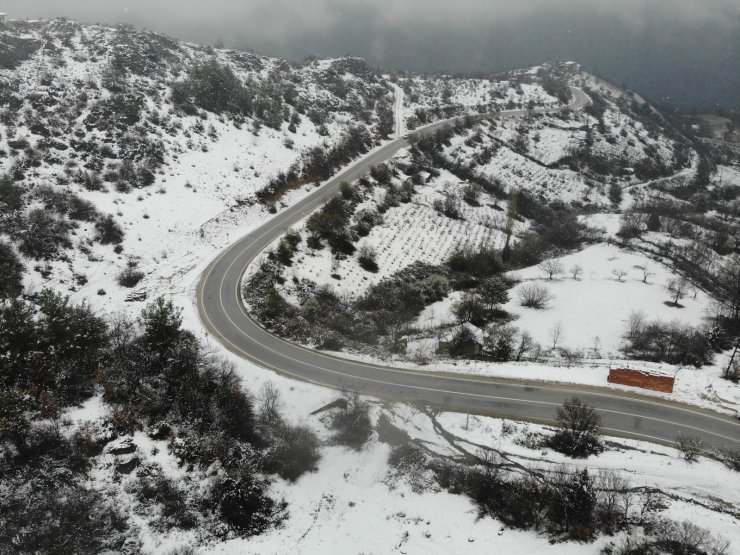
(576, 271)
(689, 447)
(619, 273)
(614, 498)
(633, 225)
(651, 501)
(646, 273)
(526, 344)
(690, 537)
(635, 324)
(556, 333)
(732, 370)
(729, 286)
(269, 403)
(677, 287)
(597, 347)
(571, 356)
(551, 267)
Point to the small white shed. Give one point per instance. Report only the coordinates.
(2, 16)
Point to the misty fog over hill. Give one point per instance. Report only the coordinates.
(681, 54)
(674, 63)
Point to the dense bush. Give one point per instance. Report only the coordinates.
(242, 502)
(579, 429)
(154, 487)
(367, 258)
(407, 457)
(292, 451)
(45, 506)
(163, 374)
(682, 538)
(318, 164)
(130, 277)
(50, 346)
(213, 87)
(66, 203)
(44, 235)
(331, 321)
(351, 424)
(107, 231)
(473, 266)
(155, 375)
(671, 342)
(366, 220)
(11, 195)
(11, 272)
(564, 506)
(331, 224)
(43, 510)
(470, 309)
(449, 207)
(268, 306)
(16, 49)
(398, 299)
(534, 295)
(557, 88)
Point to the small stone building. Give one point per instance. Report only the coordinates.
(469, 338)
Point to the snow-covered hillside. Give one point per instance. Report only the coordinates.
(576, 157)
(427, 99)
(411, 231)
(89, 112)
(129, 160)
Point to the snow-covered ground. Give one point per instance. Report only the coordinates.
(594, 308)
(200, 202)
(354, 503)
(424, 95)
(181, 221)
(410, 232)
(592, 312)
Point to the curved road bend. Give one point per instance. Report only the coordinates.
(222, 312)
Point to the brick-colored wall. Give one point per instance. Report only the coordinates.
(636, 378)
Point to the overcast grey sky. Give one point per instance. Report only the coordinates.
(275, 20)
(653, 45)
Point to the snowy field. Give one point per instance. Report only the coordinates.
(594, 308)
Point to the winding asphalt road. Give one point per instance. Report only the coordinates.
(223, 314)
